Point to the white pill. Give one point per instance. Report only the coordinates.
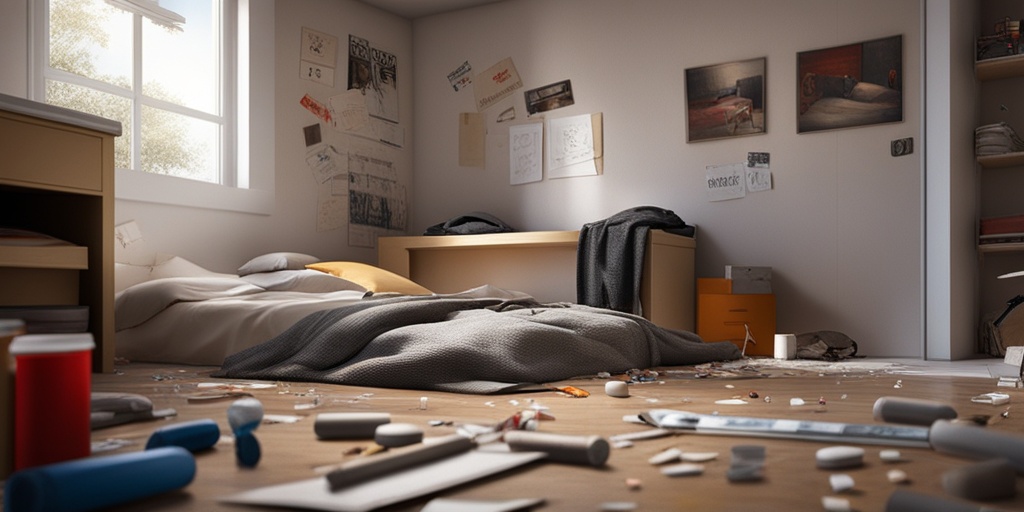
(393, 435)
(835, 457)
(834, 504)
(698, 456)
(616, 388)
(684, 469)
(890, 455)
(897, 476)
(670, 455)
(840, 482)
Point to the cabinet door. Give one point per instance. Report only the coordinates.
(723, 317)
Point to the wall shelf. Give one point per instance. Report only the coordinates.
(998, 161)
(1007, 247)
(60, 257)
(999, 68)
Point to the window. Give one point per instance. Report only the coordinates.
(166, 70)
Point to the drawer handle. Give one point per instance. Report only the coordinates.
(739, 310)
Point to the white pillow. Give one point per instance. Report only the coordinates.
(277, 261)
(305, 280)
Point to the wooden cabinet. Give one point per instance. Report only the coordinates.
(57, 178)
(543, 264)
(725, 316)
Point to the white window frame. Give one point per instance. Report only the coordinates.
(247, 160)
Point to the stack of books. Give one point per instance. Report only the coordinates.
(1001, 230)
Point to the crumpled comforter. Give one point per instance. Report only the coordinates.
(466, 345)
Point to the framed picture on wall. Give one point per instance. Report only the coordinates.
(852, 85)
(725, 100)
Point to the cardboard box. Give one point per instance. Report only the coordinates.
(749, 280)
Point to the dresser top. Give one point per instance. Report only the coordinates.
(59, 114)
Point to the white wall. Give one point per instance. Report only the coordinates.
(843, 227)
(223, 240)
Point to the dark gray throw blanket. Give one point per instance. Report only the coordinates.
(466, 345)
(610, 256)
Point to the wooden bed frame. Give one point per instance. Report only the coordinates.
(543, 264)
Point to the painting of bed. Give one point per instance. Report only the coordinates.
(725, 100)
(853, 85)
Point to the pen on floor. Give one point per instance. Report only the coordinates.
(361, 470)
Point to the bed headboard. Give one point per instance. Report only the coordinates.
(543, 264)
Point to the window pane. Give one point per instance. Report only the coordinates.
(180, 145)
(91, 101)
(182, 66)
(91, 39)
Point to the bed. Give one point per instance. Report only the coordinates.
(720, 116)
(828, 102)
(289, 316)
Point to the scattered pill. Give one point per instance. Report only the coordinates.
(796, 401)
(834, 457)
(393, 435)
(890, 455)
(834, 504)
(897, 476)
(840, 482)
(669, 455)
(684, 469)
(698, 456)
(616, 388)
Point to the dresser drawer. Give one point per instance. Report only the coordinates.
(41, 153)
(721, 317)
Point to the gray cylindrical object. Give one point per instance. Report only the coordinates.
(989, 480)
(349, 425)
(911, 411)
(583, 450)
(977, 443)
(902, 500)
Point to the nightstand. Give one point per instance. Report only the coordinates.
(724, 316)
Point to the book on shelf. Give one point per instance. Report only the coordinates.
(1007, 225)
(1001, 238)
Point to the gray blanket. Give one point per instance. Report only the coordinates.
(466, 345)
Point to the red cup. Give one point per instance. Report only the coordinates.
(52, 397)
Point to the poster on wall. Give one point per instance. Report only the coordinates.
(374, 72)
(318, 57)
(725, 100)
(377, 204)
(853, 85)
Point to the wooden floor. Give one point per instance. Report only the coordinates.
(292, 452)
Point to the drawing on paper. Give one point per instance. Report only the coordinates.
(570, 145)
(374, 72)
(526, 149)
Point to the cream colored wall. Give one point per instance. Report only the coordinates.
(843, 226)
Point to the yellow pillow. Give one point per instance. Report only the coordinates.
(372, 278)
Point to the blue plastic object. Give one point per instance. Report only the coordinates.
(194, 436)
(99, 482)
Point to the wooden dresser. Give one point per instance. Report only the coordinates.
(543, 264)
(57, 178)
(725, 316)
